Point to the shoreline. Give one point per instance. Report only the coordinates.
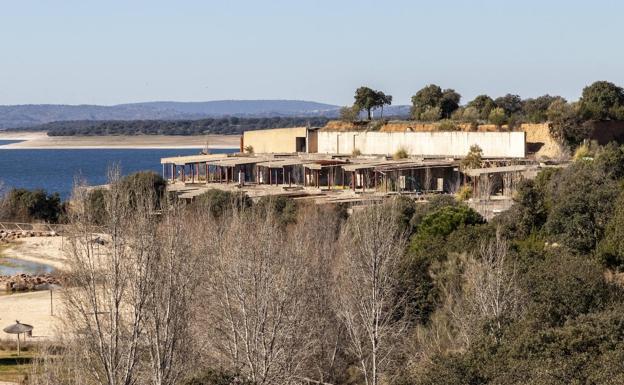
(41, 250)
(40, 140)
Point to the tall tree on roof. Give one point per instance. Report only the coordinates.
(484, 105)
(602, 100)
(431, 97)
(512, 104)
(368, 99)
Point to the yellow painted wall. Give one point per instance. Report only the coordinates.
(275, 140)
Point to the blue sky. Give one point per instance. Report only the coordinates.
(109, 52)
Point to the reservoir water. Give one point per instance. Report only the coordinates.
(13, 266)
(56, 170)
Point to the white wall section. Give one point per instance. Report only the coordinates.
(446, 143)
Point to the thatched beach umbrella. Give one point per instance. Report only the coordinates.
(18, 328)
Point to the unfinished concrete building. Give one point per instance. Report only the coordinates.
(356, 166)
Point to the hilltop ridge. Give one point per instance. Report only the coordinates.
(29, 115)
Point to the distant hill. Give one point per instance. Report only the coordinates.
(244, 107)
(33, 115)
(224, 126)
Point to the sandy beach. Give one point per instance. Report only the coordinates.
(32, 308)
(43, 250)
(39, 140)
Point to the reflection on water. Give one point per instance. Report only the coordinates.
(12, 266)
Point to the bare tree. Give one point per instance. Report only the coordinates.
(372, 245)
(255, 310)
(176, 275)
(484, 291)
(111, 279)
(127, 302)
(316, 237)
(492, 286)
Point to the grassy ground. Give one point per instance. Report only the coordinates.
(14, 368)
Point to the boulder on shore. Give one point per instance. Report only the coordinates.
(27, 282)
(7, 236)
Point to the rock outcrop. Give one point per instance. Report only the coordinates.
(7, 236)
(26, 282)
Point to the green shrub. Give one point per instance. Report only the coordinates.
(217, 202)
(464, 193)
(611, 247)
(431, 114)
(24, 205)
(474, 158)
(448, 125)
(96, 205)
(585, 151)
(587, 350)
(404, 209)
(580, 199)
(436, 224)
(470, 114)
(434, 203)
(284, 208)
(528, 214)
(401, 153)
(144, 182)
(447, 219)
(562, 287)
(497, 116)
(349, 113)
(610, 159)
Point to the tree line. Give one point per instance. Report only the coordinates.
(222, 126)
(601, 100)
(228, 291)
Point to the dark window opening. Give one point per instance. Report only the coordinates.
(300, 144)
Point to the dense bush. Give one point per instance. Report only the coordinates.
(562, 287)
(602, 100)
(31, 205)
(582, 199)
(440, 227)
(284, 208)
(144, 182)
(445, 220)
(611, 247)
(564, 230)
(587, 350)
(96, 201)
(217, 202)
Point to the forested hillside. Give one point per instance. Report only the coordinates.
(230, 125)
